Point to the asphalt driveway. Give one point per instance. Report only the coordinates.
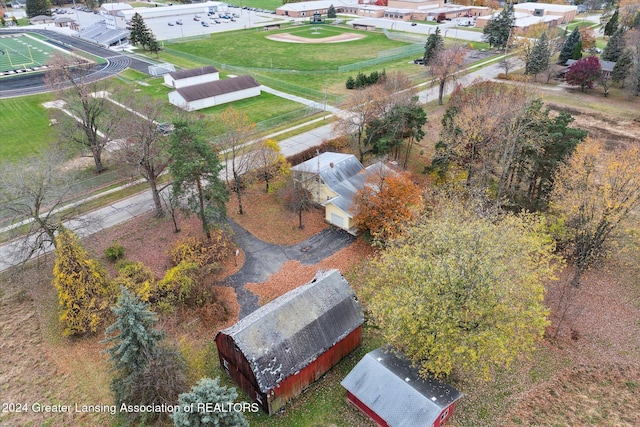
(263, 259)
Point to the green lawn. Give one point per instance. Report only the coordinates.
(24, 126)
(251, 48)
(261, 4)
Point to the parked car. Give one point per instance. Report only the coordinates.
(170, 24)
(204, 24)
(217, 21)
(179, 22)
(195, 18)
(413, 24)
(419, 61)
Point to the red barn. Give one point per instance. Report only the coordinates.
(389, 390)
(280, 349)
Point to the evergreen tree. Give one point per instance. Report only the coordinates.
(351, 83)
(612, 25)
(635, 79)
(623, 67)
(208, 390)
(539, 58)
(82, 285)
(134, 340)
(577, 51)
(331, 13)
(139, 30)
(434, 44)
(3, 22)
(152, 44)
(38, 7)
(615, 46)
(498, 29)
(569, 46)
(195, 170)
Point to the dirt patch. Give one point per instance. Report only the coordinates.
(266, 217)
(290, 38)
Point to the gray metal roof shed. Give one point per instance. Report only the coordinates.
(215, 88)
(390, 387)
(285, 335)
(192, 72)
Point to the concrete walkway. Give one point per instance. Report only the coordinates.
(263, 259)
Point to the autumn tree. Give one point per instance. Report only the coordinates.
(596, 192)
(587, 37)
(462, 293)
(269, 161)
(361, 107)
(208, 391)
(387, 204)
(435, 43)
(584, 72)
(32, 194)
(445, 67)
(236, 151)
(83, 288)
(195, 167)
(143, 144)
(89, 118)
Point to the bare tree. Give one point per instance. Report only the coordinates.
(236, 150)
(143, 143)
(90, 119)
(298, 199)
(32, 195)
(445, 67)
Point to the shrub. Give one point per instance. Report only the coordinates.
(202, 252)
(115, 252)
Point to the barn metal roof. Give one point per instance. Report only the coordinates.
(287, 334)
(215, 88)
(392, 388)
(192, 72)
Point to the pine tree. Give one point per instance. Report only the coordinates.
(331, 13)
(208, 390)
(134, 340)
(351, 83)
(569, 46)
(577, 51)
(623, 67)
(434, 44)
(615, 46)
(152, 44)
(82, 285)
(612, 25)
(498, 29)
(139, 30)
(539, 58)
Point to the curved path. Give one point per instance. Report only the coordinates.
(33, 83)
(263, 259)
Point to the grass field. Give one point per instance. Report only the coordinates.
(252, 49)
(23, 51)
(24, 126)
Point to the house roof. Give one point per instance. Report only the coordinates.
(604, 65)
(287, 334)
(546, 6)
(219, 87)
(392, 388)
(192, 72)
(316, 5)
(62, 19)
(41, 18)
(115, 6)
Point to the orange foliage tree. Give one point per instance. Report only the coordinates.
(386, 204)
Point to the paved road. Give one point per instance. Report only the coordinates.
(263, 259)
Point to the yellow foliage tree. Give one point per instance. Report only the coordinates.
(463, 293)
(84, 293)
(595, 193)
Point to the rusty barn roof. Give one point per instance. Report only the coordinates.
(285, 335)
(218, 87)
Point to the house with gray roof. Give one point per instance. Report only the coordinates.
(277, 351)
(333, 179)
(204, 95)
(388, 389)
(605, 66)
(191, 76)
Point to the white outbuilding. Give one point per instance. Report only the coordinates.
(192, 76)
(218, 92)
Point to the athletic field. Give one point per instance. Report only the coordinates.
(19, 52)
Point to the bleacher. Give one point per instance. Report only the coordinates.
(99, 33)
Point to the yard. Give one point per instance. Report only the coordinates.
(24, 126)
